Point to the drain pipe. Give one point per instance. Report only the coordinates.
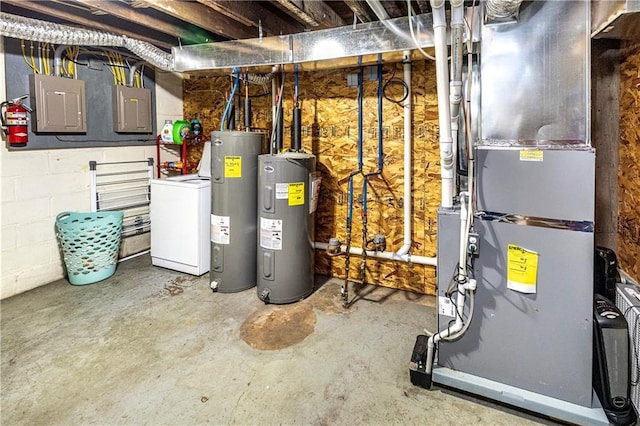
(406, 246)
(444, 113)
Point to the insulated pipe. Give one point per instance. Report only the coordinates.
(387, 255)
(33, 29)
(406, 246)
(132, 72)
(57, 59)
(444, 115)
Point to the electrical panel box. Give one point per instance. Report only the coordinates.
(59, 104)
(132, 110)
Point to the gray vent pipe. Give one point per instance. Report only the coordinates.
(46, 32)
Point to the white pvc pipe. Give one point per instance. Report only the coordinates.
(406, 246)
(444, 113)
(387, 255)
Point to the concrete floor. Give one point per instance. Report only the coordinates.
(153, 346)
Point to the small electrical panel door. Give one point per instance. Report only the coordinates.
(132, 110)
(59, 104)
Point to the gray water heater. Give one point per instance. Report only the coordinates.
(234, 173)
(288, 188)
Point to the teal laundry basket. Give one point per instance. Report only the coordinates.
(90, 244)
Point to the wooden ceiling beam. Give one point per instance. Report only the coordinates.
(423, 5)
(122, 11)
(313, 13)
(360, 9)
(43, 8)
(392, 9)
(204, 17)
(252, 13)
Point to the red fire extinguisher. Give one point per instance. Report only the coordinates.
(14, 118)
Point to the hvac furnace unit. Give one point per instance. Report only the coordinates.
(628, 301)
(287, 194)
(234, 164)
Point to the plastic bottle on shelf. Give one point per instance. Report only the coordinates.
(196, 127)
(166, 134)
(181, 128)
(173, 164)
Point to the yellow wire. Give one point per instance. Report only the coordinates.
(24, 56)
(33, 61)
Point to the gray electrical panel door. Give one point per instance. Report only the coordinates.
(59, 104)
(132, 110)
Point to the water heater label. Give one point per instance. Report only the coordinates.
(220, 229)
(271, 233)
(296, 194)
(522, 269)
(232, 166)
(282, 191)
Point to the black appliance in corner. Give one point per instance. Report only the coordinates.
(611, 362)
(605, 272)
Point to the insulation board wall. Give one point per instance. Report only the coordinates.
(628, 175)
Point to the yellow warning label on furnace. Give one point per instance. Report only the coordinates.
(522, 269)
(296, 193)
(232, 166)
(531, 155)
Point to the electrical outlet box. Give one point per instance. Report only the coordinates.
(352, 80)
(59, 104)
(132, 110)
(371, 72)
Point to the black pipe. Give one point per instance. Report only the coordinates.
(231, 120)
(279, 130)
(247, 113)
(296, 130)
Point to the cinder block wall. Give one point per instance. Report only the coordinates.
(37, 185)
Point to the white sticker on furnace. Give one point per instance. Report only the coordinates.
(282, 191)
(220, 229)
(446, 307)
(271, 233)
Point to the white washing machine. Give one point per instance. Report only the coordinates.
(180, 220)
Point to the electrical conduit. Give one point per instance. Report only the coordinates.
(455, 85)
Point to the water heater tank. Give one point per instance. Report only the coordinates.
(288, 188)
(234, 173)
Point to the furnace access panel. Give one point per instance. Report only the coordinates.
(131, 110)
(59, 104)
